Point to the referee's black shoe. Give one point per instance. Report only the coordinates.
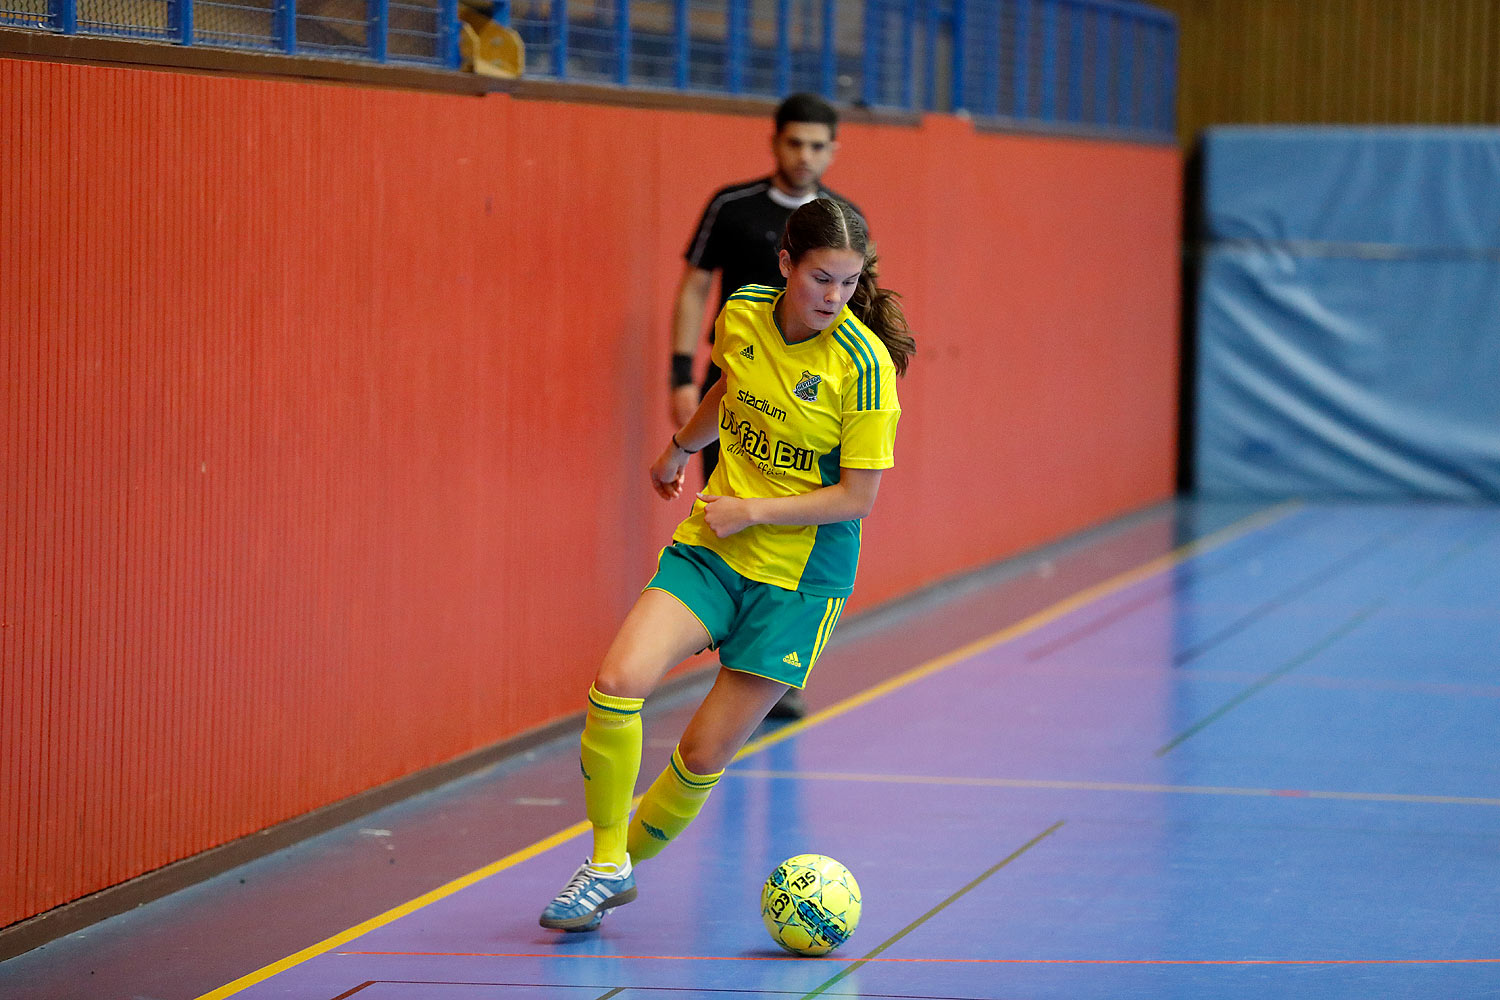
(791, 706)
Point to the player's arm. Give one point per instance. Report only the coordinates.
(687, 329)
(851, 498)
(701, 429)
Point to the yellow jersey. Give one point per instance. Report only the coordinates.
(791, 417)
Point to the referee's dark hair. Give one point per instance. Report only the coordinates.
(807, 108)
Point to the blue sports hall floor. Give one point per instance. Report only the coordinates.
(1209, 750)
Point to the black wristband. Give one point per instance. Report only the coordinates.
(682, 370)
(676, 444)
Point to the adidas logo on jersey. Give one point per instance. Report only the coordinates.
(748, 352)
(792, 659)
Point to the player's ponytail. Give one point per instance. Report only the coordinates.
(880, 310)
(829, 223)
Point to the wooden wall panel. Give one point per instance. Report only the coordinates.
(325, 414)
(1336, 61)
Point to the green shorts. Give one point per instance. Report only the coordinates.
(758, 628)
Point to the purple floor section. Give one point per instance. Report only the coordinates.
(1262, 767)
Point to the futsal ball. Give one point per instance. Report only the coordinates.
(810, 904)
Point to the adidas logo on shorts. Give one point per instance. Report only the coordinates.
(792, 659)
(748, 352)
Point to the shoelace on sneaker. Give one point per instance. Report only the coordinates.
(575, 886)
(580, 881)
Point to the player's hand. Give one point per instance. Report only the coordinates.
(684, 403)
(668, 473)
(726, 515)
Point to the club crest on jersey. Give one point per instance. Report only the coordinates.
(807, 389)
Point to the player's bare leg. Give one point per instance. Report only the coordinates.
(658, 633)
(729, 714)
(724, 721)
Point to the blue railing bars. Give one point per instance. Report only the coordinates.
(63, 16)
(1099, 65)
(734, 71)
(622, 42)
(379, 23)
(286, 26)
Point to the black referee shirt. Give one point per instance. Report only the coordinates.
(740, 233)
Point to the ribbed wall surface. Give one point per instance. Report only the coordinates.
(1337, 61)
(248, 469)
(326, 412)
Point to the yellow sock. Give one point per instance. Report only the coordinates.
(668, 807)
(611, 760)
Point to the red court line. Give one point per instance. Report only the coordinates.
(941, 961)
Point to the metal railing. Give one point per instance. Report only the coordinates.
(1099, 64)
(1079, 62)
(381, 31)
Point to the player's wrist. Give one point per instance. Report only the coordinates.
(679, 446)
(682, 370)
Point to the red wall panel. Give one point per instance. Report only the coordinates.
(326, 412)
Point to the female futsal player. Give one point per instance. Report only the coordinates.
(806, 421)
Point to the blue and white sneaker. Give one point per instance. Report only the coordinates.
(592, 890)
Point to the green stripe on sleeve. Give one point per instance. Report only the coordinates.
(864, 360)
(840, 336)
(873, 383)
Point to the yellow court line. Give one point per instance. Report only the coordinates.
(392, 915)
(1118, 786)
(1082, 598)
